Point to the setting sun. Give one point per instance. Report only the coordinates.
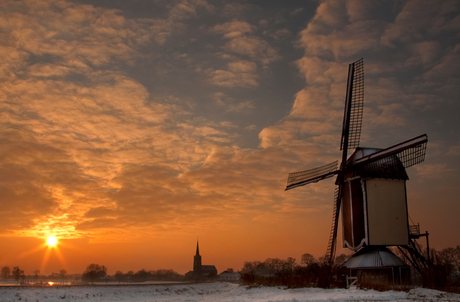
(52, 241)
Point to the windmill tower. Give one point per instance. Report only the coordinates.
(370, 184)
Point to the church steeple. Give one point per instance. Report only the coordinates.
(197, 261)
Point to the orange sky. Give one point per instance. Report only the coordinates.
(127, 131)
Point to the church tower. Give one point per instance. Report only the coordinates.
(197, 262)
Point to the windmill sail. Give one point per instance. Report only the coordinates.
(302, 178)
(353, 114)
(330, 253)
(351, 134)
(410, 152)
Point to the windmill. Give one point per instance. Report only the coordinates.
(370, 184)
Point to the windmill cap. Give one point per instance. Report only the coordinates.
(389, 167)
(359, 153)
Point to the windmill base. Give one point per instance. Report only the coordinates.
(376, 267)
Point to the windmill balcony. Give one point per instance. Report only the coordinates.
(414, 230)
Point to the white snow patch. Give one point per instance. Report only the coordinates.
(212, 292)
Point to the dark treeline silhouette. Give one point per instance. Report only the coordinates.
(143, 275)
(275, 272)
(18, 275)
(446, 268)
(94, 272)
(443, 271)
(98, 273)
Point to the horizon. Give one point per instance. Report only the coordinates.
(130, 128)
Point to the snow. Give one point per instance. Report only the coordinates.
(212, 292)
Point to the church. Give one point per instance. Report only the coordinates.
(201, 271)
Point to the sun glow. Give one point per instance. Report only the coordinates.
(52, 241)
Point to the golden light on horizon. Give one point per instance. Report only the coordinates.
(52, 241)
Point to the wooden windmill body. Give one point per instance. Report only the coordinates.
(371, 183)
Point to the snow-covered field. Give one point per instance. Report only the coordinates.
(212, 292)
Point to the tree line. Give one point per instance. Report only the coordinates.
(443, 271)
(98, 273)
(20, 277)
(92, 273)
(276, 272)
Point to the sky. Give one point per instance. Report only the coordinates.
(128, 129)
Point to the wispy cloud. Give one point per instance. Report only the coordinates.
(237, 74)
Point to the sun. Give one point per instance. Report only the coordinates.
(52, 241)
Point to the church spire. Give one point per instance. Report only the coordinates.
(197, 261)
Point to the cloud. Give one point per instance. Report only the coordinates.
(338, 34)
(282, 34)
(241, 106)
(40, 184)
(424, 53)
(231, 105)
(94, 144)
(454, 150)
(316, 113)
(100, 212)
(81, 126)
(419, 20)
(272, 136)
(433, 171)
(239, 73)
(340, 30)
(233, 29)
(297, 11)
(447, 67)
(244, 42)
(253, 47)
(235, 9)
(320, 72)
(161, 29)
(391, 115)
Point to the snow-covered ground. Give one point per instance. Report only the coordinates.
(212, 292)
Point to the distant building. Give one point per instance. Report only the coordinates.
(201, 271)
(229, 276)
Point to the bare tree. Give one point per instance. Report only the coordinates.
(17, 273)
(62, 275)
(307, 259)
(5, 272)
(119, 276)
(36, 274)
(249, 271)
(129, 275)
(339, 260)
(94, 271)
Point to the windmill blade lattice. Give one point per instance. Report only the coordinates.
(356, 106)
(413, 156)
(302, 178)
(410, 152)
(330, 253)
